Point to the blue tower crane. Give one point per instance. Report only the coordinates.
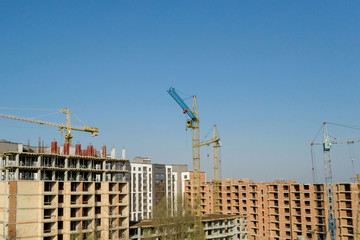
(192, 123)
(181, 103)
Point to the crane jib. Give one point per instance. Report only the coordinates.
(181, 103)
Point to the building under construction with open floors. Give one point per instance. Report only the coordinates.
(62, 193)
(285, 209)
(215, 226)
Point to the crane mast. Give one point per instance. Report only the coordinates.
(216, 181)
(217, 185)
(329, 184)
(192, 123)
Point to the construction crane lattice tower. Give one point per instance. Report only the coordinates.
(327, 142)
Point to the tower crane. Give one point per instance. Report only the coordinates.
(327, 142)
(192, 123)
(68, 137)
(215, 141)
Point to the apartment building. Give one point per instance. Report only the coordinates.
(141, 189)
(150, 183)
(206, 192)
(285, 209)
(51, 194)
(216, 227)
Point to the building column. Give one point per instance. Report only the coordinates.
(17, 174)
(39, 161)
(39, 175)
(1, 166)
(17, 160)
(53, 161)
(103, 168)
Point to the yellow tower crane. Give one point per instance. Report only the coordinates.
(215, 141)
(68, 137)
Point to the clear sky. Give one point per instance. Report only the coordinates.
(268, 73)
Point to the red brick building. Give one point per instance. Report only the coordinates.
(284, 209)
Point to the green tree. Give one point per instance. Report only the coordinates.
(177, 222)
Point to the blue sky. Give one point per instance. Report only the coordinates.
(268, 73)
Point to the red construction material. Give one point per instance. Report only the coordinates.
(90, 150)
(54, 147)
(78, 149)
(66, 148)
(103, 151)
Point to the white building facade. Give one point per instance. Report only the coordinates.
(140, 190)
(147, 186)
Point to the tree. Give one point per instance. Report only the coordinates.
(176, 223)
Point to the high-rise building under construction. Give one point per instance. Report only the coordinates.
(62, 193)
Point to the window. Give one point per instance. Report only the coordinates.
(97, 222)
(60, 212)
(60, 225)
(97, 210)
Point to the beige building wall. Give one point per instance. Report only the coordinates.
(52, 196)
(62, 210)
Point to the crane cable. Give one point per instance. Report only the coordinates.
(207, 134)
(313, 160)
(45, 115)
(345, 126)
(31, 109)
(313, 165)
